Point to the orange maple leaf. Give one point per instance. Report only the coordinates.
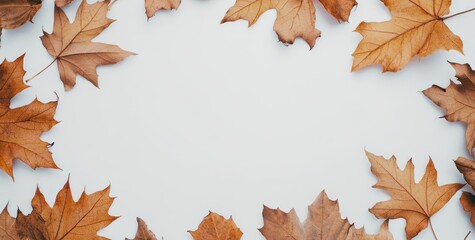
(415, 202)
(416, 28)
(20, 128)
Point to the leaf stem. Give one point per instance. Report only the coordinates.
(468, 234)
(432, 229)
(460, 13)
(31, 78)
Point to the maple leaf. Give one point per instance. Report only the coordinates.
(417, 28)
(323, 223)
(70, 43)
(153, 6)
(415, 202)
(8, 228)
(216, 227)
(14, 13)
(143, 233)
(20, 128)
(458, 100)
(70, 220)
(62, 3)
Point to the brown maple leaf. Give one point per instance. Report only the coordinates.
(20, 128)
(14, 13)
(62, 3)
(8, 226)
(70, 43)
(417, 28)
(153, 6)
(415, 202)
(70, 220)
(143, 233)
(216, 227)
(323, 223)
(295, 18)
(458, 100)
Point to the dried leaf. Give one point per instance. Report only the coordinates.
(153, 6)
(70, 43)
(340, 9)
(143, 233)
(468, 202)
(458, 100)
(70, 220)
(415, 202)
(323, 222)
(417, 28)
(216, 227)
(14, 13)
(8, 229)
(360, 234)
(20, 128)
(62, 3)
(467, 168)
(31, 226)
(295, 18)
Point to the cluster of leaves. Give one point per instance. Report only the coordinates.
(417, 28)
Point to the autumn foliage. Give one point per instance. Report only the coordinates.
(416, 29)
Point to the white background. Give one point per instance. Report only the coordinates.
(226, 118)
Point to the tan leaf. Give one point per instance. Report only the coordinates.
(467, 168)
(70, 220)
(8, 228)
(323, 222)
(153, 6)
(458, 100)
(70, 43)
(415, 202)
(468, 202)
(62, 3)
(20, 128)
(360, 234)
(216, 227)
(295, 18)
(417, 28)
(340, 9)
(143, 233)
(14, 13)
